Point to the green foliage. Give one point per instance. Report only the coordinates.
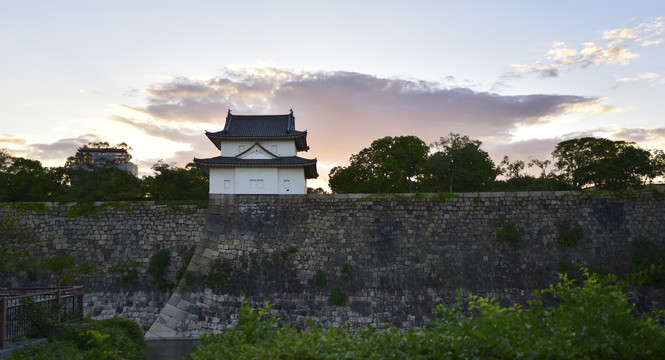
(109, 339)
(65, 266)
(590, 321)
(82, 209)
(42, 322)
(25, 180)
(445, 196)
(87, 269)
(508, 232)
(389, 165)
(569, 234)
(603, 163)
(183, 272)
(128, 270)
(173, 183)
(337, 297)
(320, 278)
(157, 266)
(15, 240)
(648, 265)
(221, 273)
(563, 267)
(290, 250)
(23, 207)
(459, 165)
(30, 266)
(59, 263)
(346, 272)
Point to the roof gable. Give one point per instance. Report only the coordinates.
(256, 151)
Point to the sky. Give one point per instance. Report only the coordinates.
(520, 76)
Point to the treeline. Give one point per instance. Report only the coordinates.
(80, 180)
(457, 163)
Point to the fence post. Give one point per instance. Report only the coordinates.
(57, 304)
(3, 322)
(80, 296)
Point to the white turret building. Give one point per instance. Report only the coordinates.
(259, 156)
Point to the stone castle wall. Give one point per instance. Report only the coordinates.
(117, 232)
(394, 258)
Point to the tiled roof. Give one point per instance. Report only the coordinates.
(243, 127)
(287, 162)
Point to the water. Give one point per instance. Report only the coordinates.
(170, 349)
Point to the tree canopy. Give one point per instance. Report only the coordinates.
(390, 164)
(83, 180)
(604, 163)
(461, 164)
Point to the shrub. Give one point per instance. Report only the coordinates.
(59, 263)
(346, 272)
(508, 232)
(569, 234)
(182, 272)
(128, 270)
(30, 266)
(219, 275)
(337, 297)
(320, 278)
(87, 269)
(648, 265)
(110, 339)
(590, 321)
(157, 266)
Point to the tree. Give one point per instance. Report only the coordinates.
(603, 163)
(512, 169)
(390, 164)
(24, 179)
(460, 164)
(173, 183)
(542, 165)
(100, 179)
(657, 167)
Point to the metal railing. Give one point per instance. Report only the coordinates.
(64, 302)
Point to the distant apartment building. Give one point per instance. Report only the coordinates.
(117, 156)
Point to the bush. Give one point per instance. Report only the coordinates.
(30, 266)
(320, 278)
(508, 232)
(110, 339)
(591, 321)
(182, 272)
(128, 270)
(220, 274)
(157, 266)
(337, 297)
(569, 234)
(648, 265)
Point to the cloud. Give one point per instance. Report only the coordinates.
(640, 135)
(616, 46)
(343, 111)
(11, 139)
(650, 77)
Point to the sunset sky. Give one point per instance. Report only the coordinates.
(520, 76)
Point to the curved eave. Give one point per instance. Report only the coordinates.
(309, 165)
(300, 139)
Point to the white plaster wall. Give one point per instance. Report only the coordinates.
(217, 179)
(296, 179)
(284, 148)
(244, 177)
(230, 148)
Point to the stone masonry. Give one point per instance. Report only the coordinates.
(395, 258)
